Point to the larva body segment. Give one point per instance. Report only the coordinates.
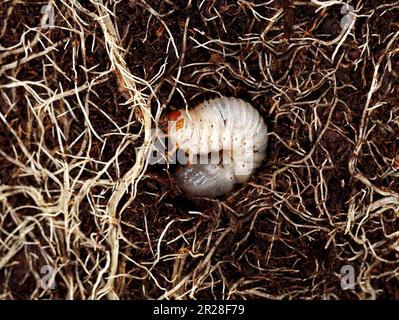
(207, 180)
(227, 125)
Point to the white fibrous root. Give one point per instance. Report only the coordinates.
(224, 139)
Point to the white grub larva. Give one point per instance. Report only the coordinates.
(227, 126)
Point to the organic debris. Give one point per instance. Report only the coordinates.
(82, 87)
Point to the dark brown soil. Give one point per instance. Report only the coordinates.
(302, 216)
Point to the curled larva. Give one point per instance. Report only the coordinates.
(228, 129)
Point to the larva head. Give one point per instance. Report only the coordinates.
(171, 119)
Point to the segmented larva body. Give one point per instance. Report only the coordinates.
(224, 125)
